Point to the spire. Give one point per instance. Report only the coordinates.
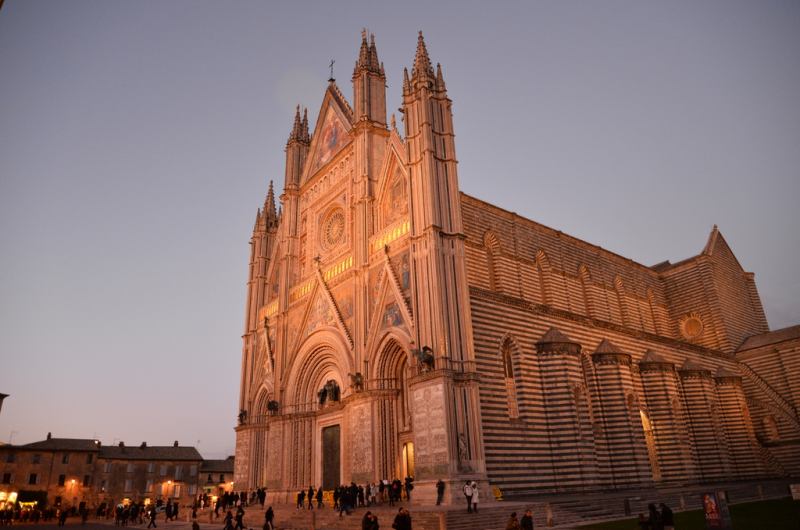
(406, 81)
(439, 78)
(269, 206)
(368, 56)
(422, 63)
(297, 130)
(304, 127)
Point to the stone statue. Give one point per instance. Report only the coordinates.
(322, 395)
(332, 388)
(462, 447)
(357, 381)
(242, 417)
(273, 406)
(425, 359)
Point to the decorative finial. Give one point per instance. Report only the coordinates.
(394, 122)
(331, 79)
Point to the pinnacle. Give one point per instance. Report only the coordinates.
(367, 55)
(422, 63)
(297, 127)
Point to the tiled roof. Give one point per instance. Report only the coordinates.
(771, 337)
(156, 452)
(217, 466)
(606, 346)
(63, 444)
(554, 335)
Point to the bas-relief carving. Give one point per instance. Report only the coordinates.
(430, 430)
(242, 458)
(361, 441)
(274, 452)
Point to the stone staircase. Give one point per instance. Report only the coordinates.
(565, 510)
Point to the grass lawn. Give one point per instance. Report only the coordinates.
(775, 514)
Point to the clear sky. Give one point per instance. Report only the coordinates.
(137, 140)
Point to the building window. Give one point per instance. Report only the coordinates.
(148, 487)
(771, 428)
(178, 472)
(87, 480)
(650, 441)
(221, 478)
(36, 458)
(128, 485)
(11, 458)
(107, 467)
(193, 470)
(65, 458)
(62, 479)
(192, 489)
(511, 383)
(176, 491)
(163, 471)
(89, 458)
(103, 485)
(151, 467)
(6, 478)
(209, 478)
(33, 479)
(131, 467)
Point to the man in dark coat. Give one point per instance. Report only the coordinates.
(526, 523)
(402, 521)
(439, 491)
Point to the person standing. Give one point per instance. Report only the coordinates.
(439, 491)
(402, 521)
(667, 518)
(527, 520)
(319, 497)
(474, 496)
(311, 497)
(513, 523)
(467, 489)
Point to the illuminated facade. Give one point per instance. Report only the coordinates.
(396, 326)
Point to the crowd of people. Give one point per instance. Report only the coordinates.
(657, 519)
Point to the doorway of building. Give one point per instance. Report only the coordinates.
(331, 457)
(408, 459)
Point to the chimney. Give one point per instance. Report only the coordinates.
(144, 445)
(121, 444)
(49, 435)
(175, 444)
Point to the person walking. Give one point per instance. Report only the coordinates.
(439, 491)
(152, 513)
(319, 497)
(311, 497)
(228, 521)
(467, 489)
(269, 519)
(526, 523)
(239, 518)
(474, 496)
(513, 523)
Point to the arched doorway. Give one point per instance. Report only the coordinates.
(396, 445)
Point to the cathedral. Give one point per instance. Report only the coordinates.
(396, 327)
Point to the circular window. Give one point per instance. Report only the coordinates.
(332, 233)
(691, 326)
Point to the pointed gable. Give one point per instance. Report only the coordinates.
(331, 133)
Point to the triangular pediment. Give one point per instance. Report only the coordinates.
(391, 310)
(331, 133)
(393, 189)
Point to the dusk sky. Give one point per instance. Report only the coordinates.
(137, 140)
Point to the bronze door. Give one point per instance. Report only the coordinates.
(331, 457)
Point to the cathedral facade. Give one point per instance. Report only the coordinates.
(396, 326)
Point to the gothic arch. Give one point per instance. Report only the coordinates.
(324, 355)
(392, 349)
(511, 364)
(263, 396)
(545, 277)
(492, 245)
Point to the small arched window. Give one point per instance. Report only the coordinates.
(510, 381)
